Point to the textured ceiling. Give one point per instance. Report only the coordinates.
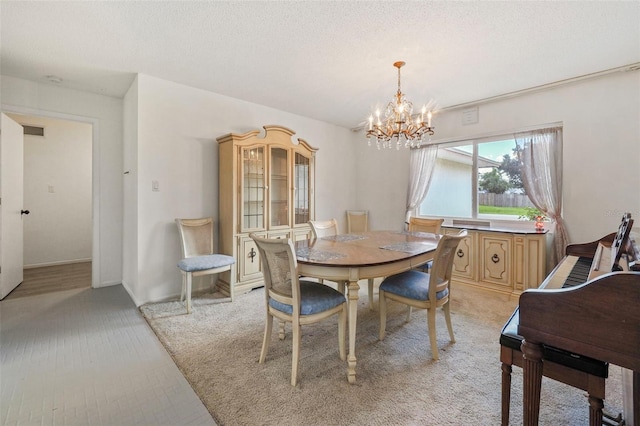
(331, 61)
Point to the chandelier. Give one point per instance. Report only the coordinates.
(398, 122)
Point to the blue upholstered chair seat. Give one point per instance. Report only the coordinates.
(202, 263)
(314, 298)
(411, 284)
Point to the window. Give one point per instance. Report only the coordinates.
(477, 179)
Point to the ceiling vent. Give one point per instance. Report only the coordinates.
(33, 130)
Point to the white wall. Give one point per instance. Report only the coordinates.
(171, 131)
(381, 186)
(601, 158)
(174, 139)
(105, 115)
(57, 192)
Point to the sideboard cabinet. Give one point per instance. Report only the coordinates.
(266, 186)
(508, 261)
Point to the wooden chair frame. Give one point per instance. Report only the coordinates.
(439, 281)
(422, 224)
(357, 221)
(196, 239)
(289, 293)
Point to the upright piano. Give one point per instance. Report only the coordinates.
(585, 315)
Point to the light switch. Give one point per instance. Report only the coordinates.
(51, 189)
(155, 186)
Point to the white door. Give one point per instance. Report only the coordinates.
(11, 198)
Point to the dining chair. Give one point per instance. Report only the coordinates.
(290, 299)
(421, 224)
(324, 228)
(357, 221)
(424, 290)
(198, 258)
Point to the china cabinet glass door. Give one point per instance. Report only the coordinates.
(301, 189)
(279, 187)
(253, 187)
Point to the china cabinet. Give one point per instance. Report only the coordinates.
(266, 186)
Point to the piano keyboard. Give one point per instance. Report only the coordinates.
(579, 273)
(572, 271)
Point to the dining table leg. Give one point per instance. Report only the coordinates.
(352, 295)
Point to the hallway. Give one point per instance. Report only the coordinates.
(49, 279)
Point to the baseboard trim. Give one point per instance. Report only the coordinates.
(131, 295)
(108, 284)
(62, 262)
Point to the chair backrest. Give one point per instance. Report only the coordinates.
(196, 236)
(324, 228)
(440, 272)
(279, 267)
(357, 221)
(420, 224)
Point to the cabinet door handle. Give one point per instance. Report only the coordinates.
(252, 254)
(495, 258)
(460, 253)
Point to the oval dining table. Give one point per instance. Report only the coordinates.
(357, 256)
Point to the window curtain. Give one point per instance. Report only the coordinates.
(540, 158)
(421, 165)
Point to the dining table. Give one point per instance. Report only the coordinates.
(352, 257)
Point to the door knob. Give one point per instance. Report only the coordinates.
(24, 212)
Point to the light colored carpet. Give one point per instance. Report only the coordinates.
(218, 345)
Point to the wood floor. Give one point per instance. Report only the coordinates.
(50, 279)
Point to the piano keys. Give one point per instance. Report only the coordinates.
(571, 271)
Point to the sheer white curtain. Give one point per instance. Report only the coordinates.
(540, 157)
(421, 165)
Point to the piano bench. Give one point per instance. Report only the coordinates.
(581, 372)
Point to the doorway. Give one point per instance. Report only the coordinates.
(58, 231)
